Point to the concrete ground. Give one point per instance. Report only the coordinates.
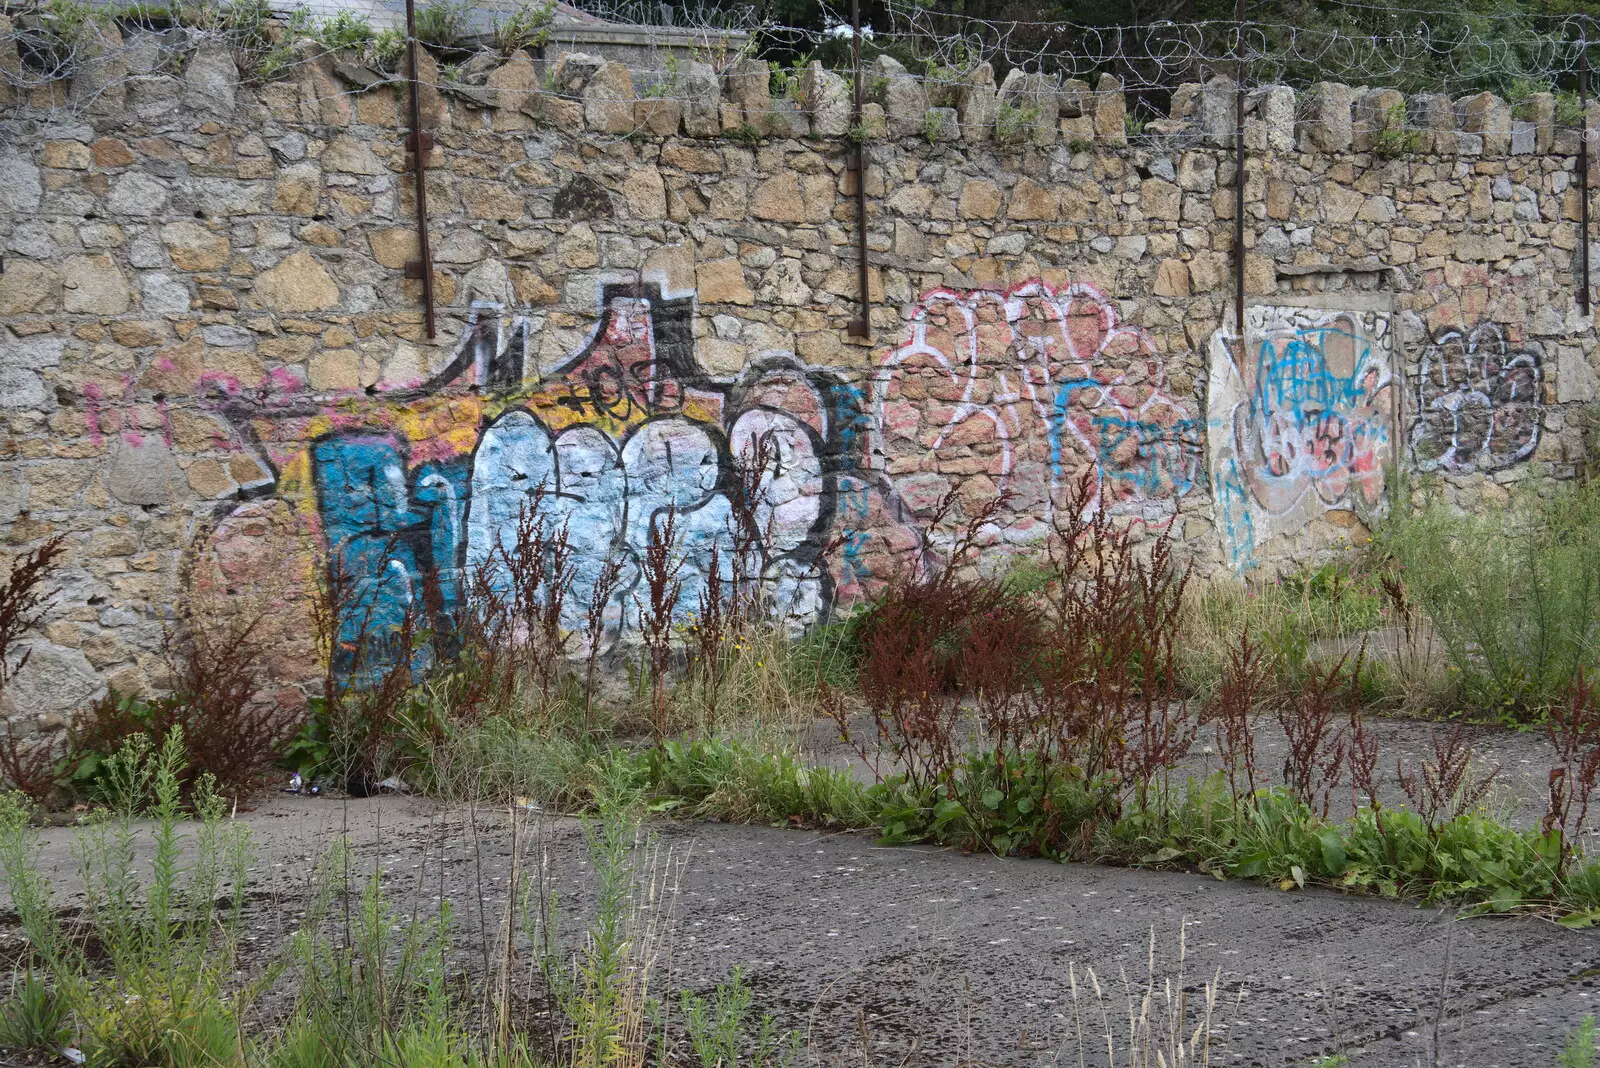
(892, 956)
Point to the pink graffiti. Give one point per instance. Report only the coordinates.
(1317, 416)
(1019, 392)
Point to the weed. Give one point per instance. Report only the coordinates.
(1078, 144)
(1012, 122)
(603, 986)
(1569, 109)
(442, 23)
(25, 764)
(1514, 596)
(1155, 1025)
(54, 40)
(718, 1030)
(1580, 1050)
(387, 47)
(1391, 138)
(1231, 712)
(1573, 728)
(231, 733)
(342, 30)
(1443, 789)
(23, 597)
(527, 27)
(1316, 744)
(746, 134)
(171, 942)
(370, 982)
(35, 1017)
(1288, 619)
(660, 573)
(782, 81)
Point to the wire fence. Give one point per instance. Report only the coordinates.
(1413, 49)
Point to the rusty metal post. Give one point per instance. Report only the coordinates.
(862, 326)
(1583, 172)
(1238, 171)
(419, 142)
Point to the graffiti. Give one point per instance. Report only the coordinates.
(1300, 426)
(415, 491)
(1479, 402)
(1019, 392)
(418, 490)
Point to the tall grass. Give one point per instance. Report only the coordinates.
(1514, 595)
(159, 987)
(1296, 621)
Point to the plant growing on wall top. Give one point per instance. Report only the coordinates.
(1392, 139)
(527, 27)
(343, 30)
(442, 23)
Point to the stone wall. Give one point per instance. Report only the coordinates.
(217, 384)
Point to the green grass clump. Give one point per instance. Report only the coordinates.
(1334, 604)
(344, 30)
(1514, 596)
(1580, 1049)
(442, 23)
(166, 991)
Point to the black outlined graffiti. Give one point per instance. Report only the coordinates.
(1479, 401)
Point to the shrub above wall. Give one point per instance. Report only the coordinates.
(219, 385)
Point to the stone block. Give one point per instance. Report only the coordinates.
(608, 100)
(1217, 112)
(1524, 137)
(21, 385)
(788, 119)
(323, 99)
(27, 287)
(1327, 116)
(722, 282)
(99, 87)
(1277, 115)
(298, 283)
(94, 284)
(514, 91)
(701, 94)
(143, 474)
(747, 86)
(1489, 117)
(976, 98)
(346, 155)
(1076, 99)
(1539, 111)
(138, 194)
(1029, 108)
(1432, 115)
(571, 71)
(873, 125)
(211, 80)
(658, 116)
(1110, 111)
(827, 101)
(904, 98)
(1376, 111)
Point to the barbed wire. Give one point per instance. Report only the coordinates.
(1514, 54)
